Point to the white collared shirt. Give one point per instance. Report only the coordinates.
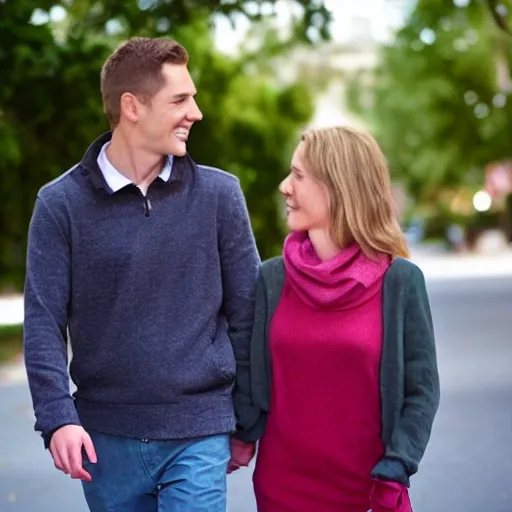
(116, 181)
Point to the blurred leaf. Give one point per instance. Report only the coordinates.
(436, 101)
(50, 105)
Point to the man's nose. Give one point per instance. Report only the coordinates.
(194, 113)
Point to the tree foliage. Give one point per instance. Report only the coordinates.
(439, 101)
(150, 16)
(50, 106)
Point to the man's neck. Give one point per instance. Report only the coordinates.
(138, 166)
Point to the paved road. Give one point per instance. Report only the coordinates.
(467, 466)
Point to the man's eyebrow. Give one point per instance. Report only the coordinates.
(183, 96)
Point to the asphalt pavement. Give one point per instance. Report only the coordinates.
(468, 462)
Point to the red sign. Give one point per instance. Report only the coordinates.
(498, 179)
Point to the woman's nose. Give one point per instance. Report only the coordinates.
(285, 186)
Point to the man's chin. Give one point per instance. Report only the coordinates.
(178, 149)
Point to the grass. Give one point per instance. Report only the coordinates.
(11, 342)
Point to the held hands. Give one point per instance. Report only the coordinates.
(389, 497)
(241, 454)
(66, 449)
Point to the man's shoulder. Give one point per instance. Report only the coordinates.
(218, 178)
(59, 187)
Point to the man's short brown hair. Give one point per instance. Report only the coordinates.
(136, 67)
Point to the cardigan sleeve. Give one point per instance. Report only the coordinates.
(250, 418)
(411, 434)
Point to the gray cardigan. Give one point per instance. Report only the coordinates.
(409, 379)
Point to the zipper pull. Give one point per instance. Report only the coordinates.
(147, 206)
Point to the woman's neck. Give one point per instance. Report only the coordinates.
(323, 244)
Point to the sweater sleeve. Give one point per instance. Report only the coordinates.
(421, 388)
(47, 290)
(250, 418)
(239, 264)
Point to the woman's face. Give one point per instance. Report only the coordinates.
(307, 205)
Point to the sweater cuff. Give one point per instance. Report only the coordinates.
(391, 470)
(47, 436)
(255, 432)
(57, 415)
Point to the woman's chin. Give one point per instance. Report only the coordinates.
(295, 226)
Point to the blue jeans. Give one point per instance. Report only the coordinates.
(132, 475)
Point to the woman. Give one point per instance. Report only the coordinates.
(343, 385)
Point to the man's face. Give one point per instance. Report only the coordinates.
(163, 124)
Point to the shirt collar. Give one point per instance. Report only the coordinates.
(115, 180)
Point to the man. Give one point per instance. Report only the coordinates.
(148, 262)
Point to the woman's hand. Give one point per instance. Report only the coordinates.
(388, 496)
(241, 454)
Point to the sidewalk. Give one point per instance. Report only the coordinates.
(462, 266)
(11, 309)
(435, 266)
(13, 373)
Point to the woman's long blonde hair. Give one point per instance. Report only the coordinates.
(352, 167)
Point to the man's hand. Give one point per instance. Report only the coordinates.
(66, 449)
(241, 454)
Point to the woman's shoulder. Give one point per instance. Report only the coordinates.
(272, 272)
(272, 266)
(404, 269)
(404, 278)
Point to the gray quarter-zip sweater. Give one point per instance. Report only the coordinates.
(156, 292)
(409, 380)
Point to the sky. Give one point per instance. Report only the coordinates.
(349, 16)
(377, 15)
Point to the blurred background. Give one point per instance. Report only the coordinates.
(430, 79)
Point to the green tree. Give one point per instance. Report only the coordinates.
(250, 123)
(436, 102)
(50, 107)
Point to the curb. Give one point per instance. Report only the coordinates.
(12, 374)
(446, 267)
(462, 267)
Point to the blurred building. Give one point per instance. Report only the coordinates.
(368, 20)
(358, 29)
(395, 14)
